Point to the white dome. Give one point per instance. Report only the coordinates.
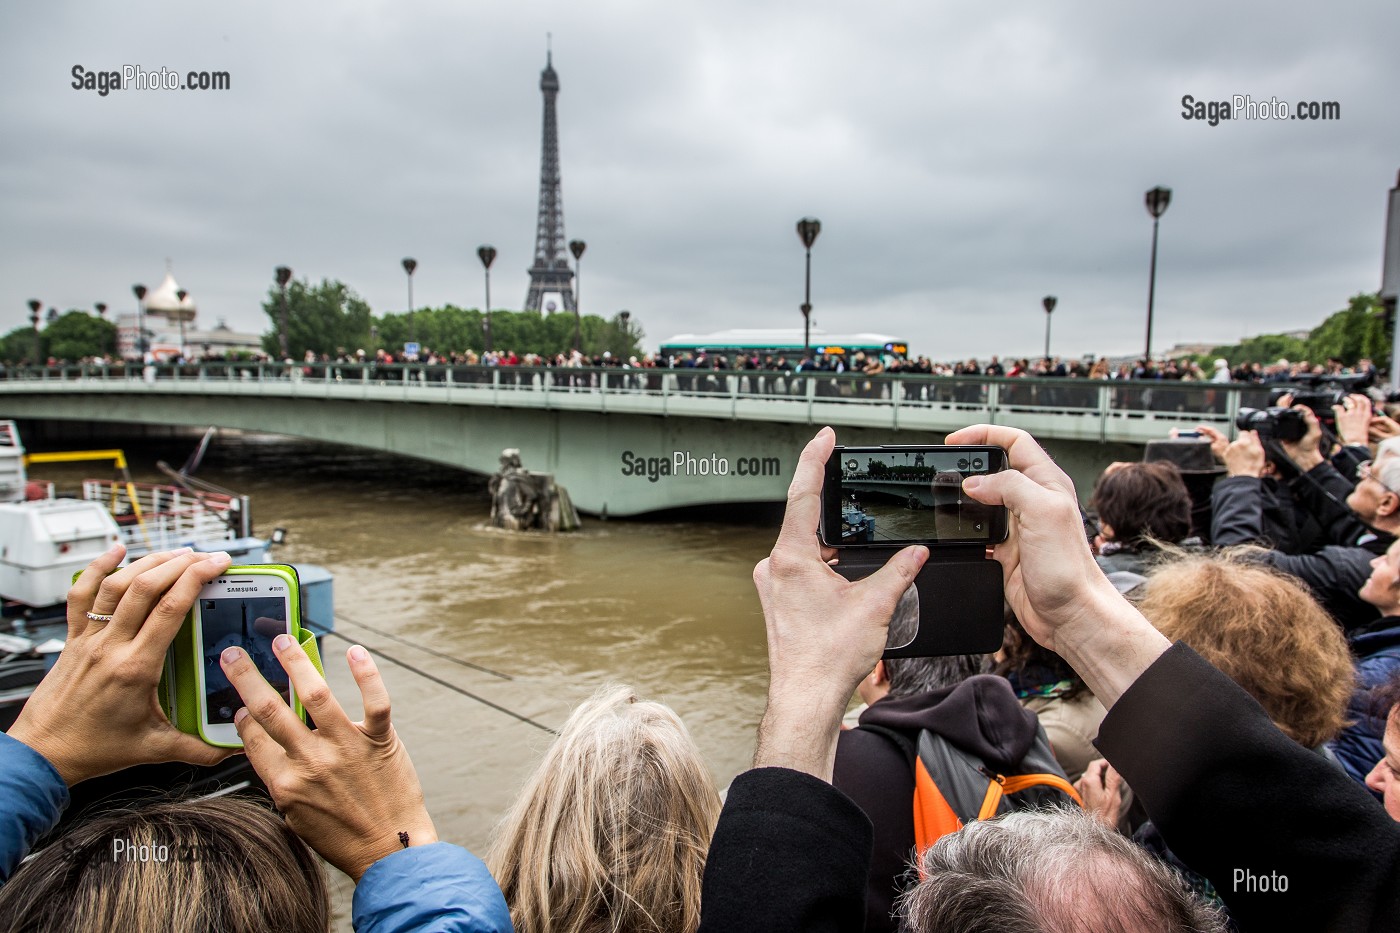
(165, 298)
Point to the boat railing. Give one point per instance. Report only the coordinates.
(165, 516)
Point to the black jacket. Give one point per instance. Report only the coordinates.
(1235, 798)
(1334, 574)
(789, 855)
(981, 715)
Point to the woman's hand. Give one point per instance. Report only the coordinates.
(97, 712)
(347, 788)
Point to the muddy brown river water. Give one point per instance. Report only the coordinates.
(667, 606)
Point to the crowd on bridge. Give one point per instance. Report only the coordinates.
(1181, 369)
(1193, 724)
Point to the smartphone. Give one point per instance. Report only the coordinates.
(895, 496)
(246, 607)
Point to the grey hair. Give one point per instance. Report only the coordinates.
(1387, 464)
(1050, 871)
(909, 676)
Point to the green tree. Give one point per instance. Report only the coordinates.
(71, 337)
(328, 318)
(77, 334)
(1356, 332)
(1353, 333)
(451, 329)
(18, 345)
(1264, 348)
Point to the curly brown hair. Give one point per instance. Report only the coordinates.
(1142, 501)
(1265, 631)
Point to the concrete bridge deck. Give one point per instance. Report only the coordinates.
(626, 441)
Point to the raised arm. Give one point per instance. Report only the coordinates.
(1234, 797)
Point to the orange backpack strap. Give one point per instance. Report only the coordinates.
(1022, 781)
(990, 803)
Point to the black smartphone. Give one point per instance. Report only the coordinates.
(894, 496)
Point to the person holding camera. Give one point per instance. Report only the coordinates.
(1233, 796)
(1357, 520)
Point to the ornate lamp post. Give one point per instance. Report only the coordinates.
(1048, 302)
(807, 230)
(34, 305)
(408, 266)
(487, 254)
(1157, 200)
(284, 275)
(181, 294)
(101, 307)
(577, 247)
(140, 292)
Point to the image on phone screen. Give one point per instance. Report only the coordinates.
(248, 622)
(897, 497)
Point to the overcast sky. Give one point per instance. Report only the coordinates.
(964, 160)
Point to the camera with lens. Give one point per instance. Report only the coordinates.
(1281, 424)
(1321, 392)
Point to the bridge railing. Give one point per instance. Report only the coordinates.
(705, 391)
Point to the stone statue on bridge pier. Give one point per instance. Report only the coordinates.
(523, 500)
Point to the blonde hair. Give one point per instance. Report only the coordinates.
(225, 864)
(609, 835)
(1264, 630)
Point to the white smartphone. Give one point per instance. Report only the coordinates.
(247, 607)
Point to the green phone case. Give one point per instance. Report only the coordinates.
(179, 686)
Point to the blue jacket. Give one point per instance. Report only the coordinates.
(1377, 651)
(439, 887)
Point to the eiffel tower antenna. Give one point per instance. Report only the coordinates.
(551, 279)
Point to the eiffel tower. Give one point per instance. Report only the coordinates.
(551, 279)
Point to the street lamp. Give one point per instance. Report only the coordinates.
(626, 318)
(577, 247)
(34, 305)
(101, 307)
(487, 255)
(807, 230)
(181, 294)
(140, 292)
(284, 275)
(1157, 200)
(408, 266)
(1048, 302)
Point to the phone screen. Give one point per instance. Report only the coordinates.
(249, 622)
(894, 496)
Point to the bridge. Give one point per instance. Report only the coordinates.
(625, 441)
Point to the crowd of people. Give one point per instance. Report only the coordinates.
(1181, 369)
(1193, 725)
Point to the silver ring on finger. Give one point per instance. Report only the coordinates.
(97, 616)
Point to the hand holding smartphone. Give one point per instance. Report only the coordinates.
(877, 500)
(246, 607)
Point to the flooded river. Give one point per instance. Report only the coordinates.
(667, 606)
